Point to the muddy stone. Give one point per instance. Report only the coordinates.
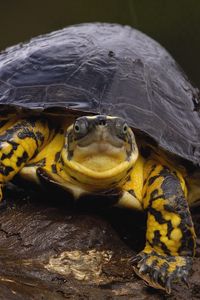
(50, 251)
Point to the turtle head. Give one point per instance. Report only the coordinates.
(99, 150)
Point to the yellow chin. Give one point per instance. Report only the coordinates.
(99, 172)
(100, 163)
(99, 157)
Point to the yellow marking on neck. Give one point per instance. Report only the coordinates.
(136, 179)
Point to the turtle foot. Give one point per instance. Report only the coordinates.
(161, 271)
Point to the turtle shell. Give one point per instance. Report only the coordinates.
(105, 69)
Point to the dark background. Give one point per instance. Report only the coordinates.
(174, 23)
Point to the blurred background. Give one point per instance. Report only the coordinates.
(175, 24)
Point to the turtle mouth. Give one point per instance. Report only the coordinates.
(99, 156)
(101, 139)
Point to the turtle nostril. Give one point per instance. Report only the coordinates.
(102, 122)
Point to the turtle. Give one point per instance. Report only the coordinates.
(102, 110)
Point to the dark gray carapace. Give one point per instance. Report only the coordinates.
(105, 69)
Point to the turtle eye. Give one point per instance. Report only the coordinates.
(81, 127)
(125, 128)
(76, 127)
(121, 128)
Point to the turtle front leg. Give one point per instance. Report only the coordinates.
(20, 140)
(170, 236)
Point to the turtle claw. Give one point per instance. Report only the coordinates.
(135, 259)
(168, 287)
(185, 281)
(161, 271)
(155, 276)
(143, 269)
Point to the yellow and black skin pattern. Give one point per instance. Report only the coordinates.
(170, 236)
(98, 155)
(20, 140)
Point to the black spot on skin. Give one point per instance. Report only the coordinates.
(157, 214)
(145, 181)
(145, 194)
(27, 134)
(57, 156)
(8, 155)
(5, 170)
(35, 152)
(187, 247)
(22, 159)
(152, 179)
(152, 169)
(169, 228)
(129, 178)
(39, 136)
(14, 144)
(169, 208)
(156, 198)
(132, 192)
(24, 129)
(157, 236)
(129, 170)
(70, 154)
(165, 249)
(154, 194)
(159, 218)
(74, 178)
(53, 169)
(8, 134)
(61, 161)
